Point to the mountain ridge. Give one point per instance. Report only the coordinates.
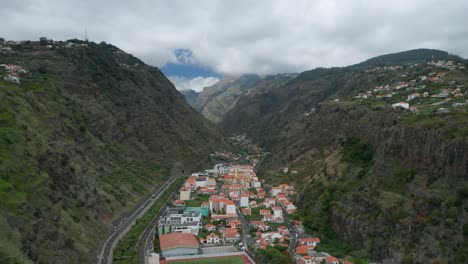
(87, 132)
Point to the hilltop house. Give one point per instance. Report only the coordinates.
(401, 104)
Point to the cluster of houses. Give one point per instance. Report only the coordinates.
(235, 199)
(13, 71)
(229, 190)
(436, 76)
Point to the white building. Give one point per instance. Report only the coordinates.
(230, 209)
(244, 200)
(275, 190)
(277, 212)
(189, 222)
(211, 239)
(413, 96)
(401, 104)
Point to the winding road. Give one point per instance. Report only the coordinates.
(126, 220)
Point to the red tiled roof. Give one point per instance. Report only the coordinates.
(312, 240)
(332, 259)
(303, 250)
(230, 232)
(177, 240)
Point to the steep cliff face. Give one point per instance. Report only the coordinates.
(393, 189)
(87, 132)
(214, 101)
(191, 96)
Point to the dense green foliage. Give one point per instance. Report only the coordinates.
(87, 132)
(273, 256)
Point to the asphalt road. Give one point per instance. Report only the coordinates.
(145, 244)
(128, 218)
(245, 229)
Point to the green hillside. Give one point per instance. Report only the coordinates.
(87, 132)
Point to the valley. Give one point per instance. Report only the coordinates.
(364, 163)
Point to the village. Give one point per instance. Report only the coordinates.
(434, 87)
(230, 205)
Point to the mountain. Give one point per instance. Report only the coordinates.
(407, 57)
(87, 132)
(263, 115)
(214, 101)
(374, 181)
(191, 96)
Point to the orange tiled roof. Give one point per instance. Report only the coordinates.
(177, 240)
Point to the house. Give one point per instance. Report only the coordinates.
(304, 250)
(285, 170)
(361, 96)
(269, 202)
(244, 200)
(401, 104)
(230, 235)
(443, 94)
(257, 224)
(220, 204)
(275, 190)
(310, 241)
(211, 239)
(191, 183)
(290, 208)
(425, 94)
(283, 230)
(413, 96)
(201, 181)
(265, 212)
(277, 212)
(246, 211)
(234, 224)
(317, 257)
(205, 204)
(179, 202)
(332, 260)
(210, 227)
(12, 78)
(178, 244)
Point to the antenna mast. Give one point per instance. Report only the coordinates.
(86, 34)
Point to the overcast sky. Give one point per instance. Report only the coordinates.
(234, 37)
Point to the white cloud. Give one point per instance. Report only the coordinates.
(244, 36)
(197, 83)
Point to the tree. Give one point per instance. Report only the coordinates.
(43, 41)
(2, 40)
